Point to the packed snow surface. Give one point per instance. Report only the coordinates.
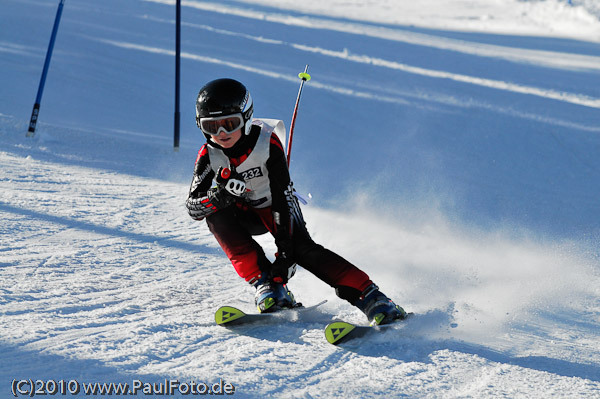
(450, 149)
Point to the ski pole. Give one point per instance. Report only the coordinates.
(305, 78)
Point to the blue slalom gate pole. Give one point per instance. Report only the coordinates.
(177, 78)
(38, 99)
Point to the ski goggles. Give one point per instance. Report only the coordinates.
(227, 124)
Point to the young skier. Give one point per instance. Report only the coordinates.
(253, 195)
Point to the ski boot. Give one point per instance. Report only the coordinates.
(378, 308)
(271, 296)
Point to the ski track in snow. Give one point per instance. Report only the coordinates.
(546, 58)
(104, 277)
(515, 88)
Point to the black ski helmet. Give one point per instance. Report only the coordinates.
(223, 97)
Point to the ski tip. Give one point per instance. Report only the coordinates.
(227, 314)
(336, 332)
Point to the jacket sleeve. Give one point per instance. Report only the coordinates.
(198, 204)
(285, 207)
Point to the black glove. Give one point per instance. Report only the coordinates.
(232, 181)
(284, 266)
(282, 269)
(220, 197)
(199, 208)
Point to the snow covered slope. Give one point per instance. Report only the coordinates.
(451, 151)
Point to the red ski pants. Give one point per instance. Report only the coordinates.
(233, 228)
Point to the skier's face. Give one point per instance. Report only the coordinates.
(227, 140)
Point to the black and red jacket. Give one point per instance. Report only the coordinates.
(270, 164)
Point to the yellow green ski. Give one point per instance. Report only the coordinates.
(231, 316)
(341, 331)
(228, 315)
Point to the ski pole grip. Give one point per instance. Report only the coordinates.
(225, 173)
